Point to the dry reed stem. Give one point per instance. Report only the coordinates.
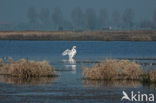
(24, 68)
(152, 76)
(114, 70)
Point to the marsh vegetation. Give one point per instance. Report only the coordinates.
(119, 70)
(26, 68)
(98, 35)
(70, 86)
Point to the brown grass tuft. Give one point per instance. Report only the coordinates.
(24, 68)
(114, 70)
(149, 77)
(152, 76)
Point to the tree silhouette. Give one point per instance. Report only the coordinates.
(44, 15)
(154, 18)
(116, 18)
(57, 18)
(103, 17)
(77, 17)
(32, 15)
(128, 17)
(90, 18)
(146, 24)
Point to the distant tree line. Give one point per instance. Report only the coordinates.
(84, 20)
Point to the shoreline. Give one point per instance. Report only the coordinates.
(99, 35)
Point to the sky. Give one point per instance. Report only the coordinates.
(15, 11)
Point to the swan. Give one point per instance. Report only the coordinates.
(71, 53)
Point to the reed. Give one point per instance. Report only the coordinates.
(149, 76)
(114, 70)
(152, 75)
(24, 68)
(100, 35)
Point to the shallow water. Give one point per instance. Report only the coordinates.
(69, 87)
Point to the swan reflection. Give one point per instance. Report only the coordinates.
(70, 64)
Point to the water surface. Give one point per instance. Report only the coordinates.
(69, 87)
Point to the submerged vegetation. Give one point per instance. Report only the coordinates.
(119, 70)
(25, 69)
(27, 81)
(115, 83)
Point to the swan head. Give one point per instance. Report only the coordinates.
(74, 47)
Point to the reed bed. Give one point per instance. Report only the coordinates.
(100, 35)
(25, 69)
(152, 75)
(114, 70)
(149, 76)
(119, 70)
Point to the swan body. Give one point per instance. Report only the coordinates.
(71, 53)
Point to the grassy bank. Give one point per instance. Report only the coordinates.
(119, 70)
(25, 69)
(85, 35)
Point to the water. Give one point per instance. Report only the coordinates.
(69, 87)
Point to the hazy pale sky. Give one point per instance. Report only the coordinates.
(16, 10)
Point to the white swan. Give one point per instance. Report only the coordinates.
(71, 53)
